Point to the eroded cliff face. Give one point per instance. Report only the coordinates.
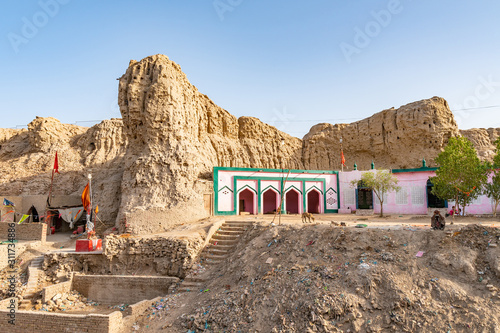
(27, 159)
(483, 140)
(393, 138)
(176, 136)
(152, 167)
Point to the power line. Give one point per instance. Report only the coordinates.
(308, 120)
(479, 107)
(295, 121)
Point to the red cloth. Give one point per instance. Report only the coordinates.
(56, 164)
(342, 158)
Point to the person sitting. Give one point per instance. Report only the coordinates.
(452, 212)
(437, 221)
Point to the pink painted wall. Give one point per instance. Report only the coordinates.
(413, 188)
(413, 183)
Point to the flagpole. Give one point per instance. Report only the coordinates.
(341, 154)
(54, 170)
(90, 225)
(50, 189)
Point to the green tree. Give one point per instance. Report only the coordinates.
(461, 175)
(492, 189)
(380, 182)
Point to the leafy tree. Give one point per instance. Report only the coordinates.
(461, 175)
(492, 189)
(380, 182)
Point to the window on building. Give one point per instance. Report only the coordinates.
(401, 196)
(418, 196)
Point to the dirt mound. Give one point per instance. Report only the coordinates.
(330, 279)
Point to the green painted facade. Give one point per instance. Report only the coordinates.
(260, 191)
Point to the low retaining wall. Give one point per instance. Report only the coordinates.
(51, 291)
(44, 322)
(28, 231)
(167, 255)
(7, 302)
(116, 289)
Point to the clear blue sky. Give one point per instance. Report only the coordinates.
(290, 63)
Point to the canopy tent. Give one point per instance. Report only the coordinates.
(71, 215)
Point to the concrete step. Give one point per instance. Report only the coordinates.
(229, 232)
(235, 229)
(240, 222)
(213, 256)
(215, 251)
(191, 284)
(221, 247)
(236, 225)
(223, 242)
(225, 237)
(37, 262)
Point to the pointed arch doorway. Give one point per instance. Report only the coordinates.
(292, 204)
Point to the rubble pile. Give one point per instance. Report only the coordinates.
(167, 255)
(331, 279)
(65, 302)
(154, 255)
(75, 302)
(58, 267)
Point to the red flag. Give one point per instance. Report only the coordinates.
(86, 198)
(56, 165)
(342, 158)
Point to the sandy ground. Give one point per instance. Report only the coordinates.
(297, 277)
(287, 276)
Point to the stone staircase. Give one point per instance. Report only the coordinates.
(33, 272)
(218, 249)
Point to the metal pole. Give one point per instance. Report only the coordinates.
(90, 225)
(90, 190)
(341, 154)
(281, 195)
